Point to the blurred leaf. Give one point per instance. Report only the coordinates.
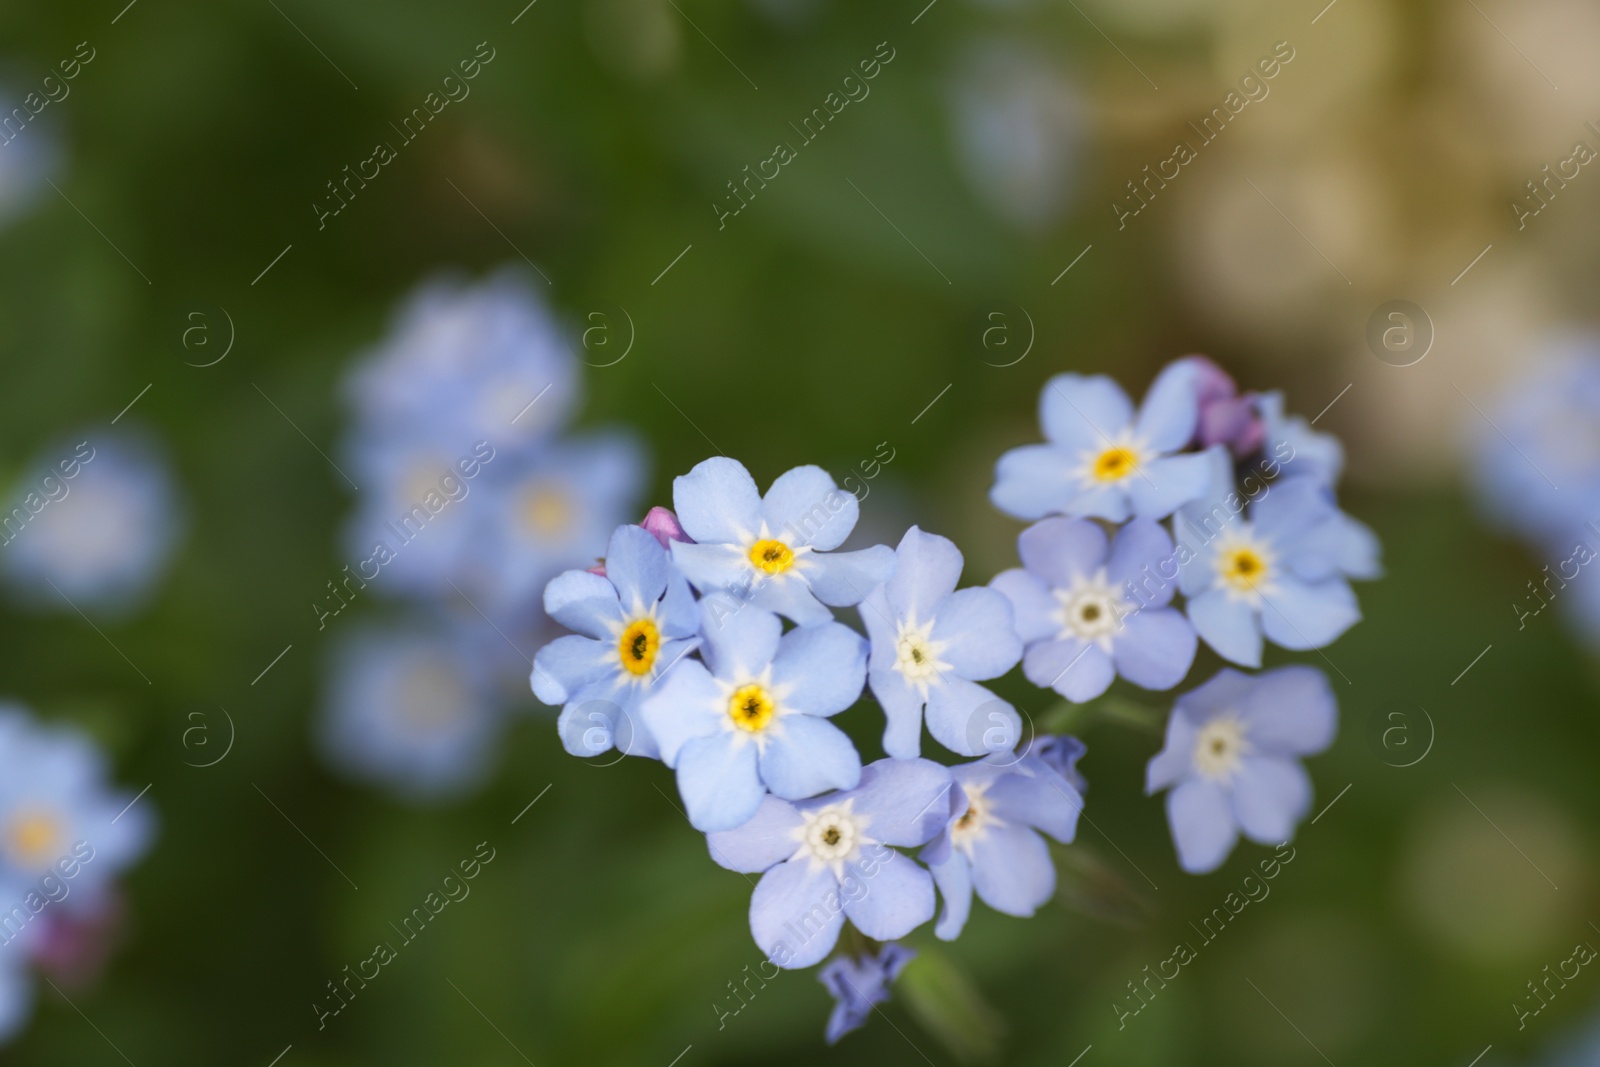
(949, 1006)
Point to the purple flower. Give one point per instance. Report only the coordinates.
(1226, 417)
(991, 841)
(858, 983)
(1231, 760)
(827, 859)
(1085, 616)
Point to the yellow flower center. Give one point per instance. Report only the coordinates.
(548, 511)
(1243, 568)
(638, 645)
(774, 557)
(1114, 464)
(32, 838)
(751, 708)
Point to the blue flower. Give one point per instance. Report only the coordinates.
(859, 983)
(1231, 760)
(1101, 462)
(57, 804)
(1061, 753)
(26, 163)
(824, 860)
(991, 842)
(1088, 610)
(1276, 573)
(411, 708)
(633, 624)
(469, 362)
(773, 552)
(1302, 450)
(756, 721)
(102, 536)
(930, 647)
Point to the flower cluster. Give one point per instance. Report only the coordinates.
(708, 640)
(471, 498)
(65, 837)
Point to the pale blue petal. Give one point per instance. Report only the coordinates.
(1032, 606)
(875, 616)
(906, 799)
(710, 567)
(637, 565)
(954, 879)
(1291, 509)
(1229, 626)
(805, 755)
(821, 669)
(1270, 796)
(926, 570)
(1108, 502)
(1080, 413)
(1175, 761)
(796, 914)
(970, 720)
(1167, 483)
(1360, 552)
(1076, 670)
(1155, 648)
(1034, 794)
(719, 781)
(1202, 824)
(977, 633)
(1171, 408)
(899, 897)
(738, 646)
(789, 596)
(1290, 711)
(680, 708)
(1059, 550)
(1224, 691)
(679, 616)
(902, 712)
(805, 507)
(765, 840)
(1011, 870)
(718, 501)
(843, 579)
(569, 663)
(583, 602)
(1143, 554)
(589, 723)
(1301, 615)
(1034, 481)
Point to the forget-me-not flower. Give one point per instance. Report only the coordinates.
(991, 842)
(1061, 753)
(1101, 460)
(1275, 573)
(633, 624)
(859, 983)
(825, 860)
(773, 552)
(1231, 760)
(1088, 609)
(931, 645)
(757, 721)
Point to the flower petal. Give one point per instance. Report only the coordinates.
(1175, 761)
(1034, 794)
(739, 644)
(977, 634)
(805, 755)
(1108, 502)
(796, 914)
(902, 712)
(719, 781)
(1032, 606)
(637, 565)
(680, 708)
(1011, 870)
(1202, 824)
(788, 595)
(843, 579)
(1081, 413)
(926, 570)
(896, 899)
(1303, 615)
(821, 669)
(970, 720)
(583, 602)
(765, 840)
(1060, 550)
(1270, 796)
(1291, 711)
(1034, 481)
(1076, 670)
(567, 664)
(1168, 483)
(902, 798)
(1229, 626)
(805, 507)
(954, 878)
(713, 567)
(1171, 408)
(1155, 648)
(1143, 554)
(718, 501)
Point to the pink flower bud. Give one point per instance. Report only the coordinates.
(1226, 416)
(663, 525)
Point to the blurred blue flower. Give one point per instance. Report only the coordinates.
(1302, 450)
(410, 708)
(773, 552)
(824, 860)
(1276, 573)
(633, 624)
(27, 160)
(1061, 753)
(468, 362)
(101, 536)
(1088, 610)
(991, 841)
(930, 647)
(757, 720)
(857, 983)
(1231, 760)
(1100, 460)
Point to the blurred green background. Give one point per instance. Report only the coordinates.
(821, 320)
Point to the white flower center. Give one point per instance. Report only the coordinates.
(1220, 747)
(1246, 565)
(831, 836)
(975, 822)
(1090, 609)
(916, 654)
